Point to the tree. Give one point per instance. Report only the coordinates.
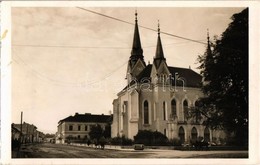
(149, 138)
(225, 71)
(107, 131)
(96, 132)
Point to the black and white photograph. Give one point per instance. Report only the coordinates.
(149, 83)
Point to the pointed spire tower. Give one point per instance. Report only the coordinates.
(159, 56)
(137, 51)
(209, 53)
(136, 61)
(209, 58)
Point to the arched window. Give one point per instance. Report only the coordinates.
(181, 134)
(206, 135)
(146, 112)
(164, 111)
(173, 105)
(194, 133)
(196, 103)
(198, 115)
(185, 109)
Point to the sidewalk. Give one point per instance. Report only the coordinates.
(111, 147)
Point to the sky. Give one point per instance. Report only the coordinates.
(68, 60)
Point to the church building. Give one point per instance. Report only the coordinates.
(158, 97)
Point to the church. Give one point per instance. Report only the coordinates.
(158, 97)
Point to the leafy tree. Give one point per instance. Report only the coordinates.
(96, 132)
(107, 131)
(225, 71)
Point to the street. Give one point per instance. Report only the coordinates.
(48, 150)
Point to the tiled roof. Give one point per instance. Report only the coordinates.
(190, 77)
(145, 73)
(88, 118)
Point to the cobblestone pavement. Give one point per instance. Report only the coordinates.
(48, 150)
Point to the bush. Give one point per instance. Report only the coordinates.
(121, 141)
(175, 142)
(150, 138)
(102, 142)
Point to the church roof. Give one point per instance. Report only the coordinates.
(190, 77)
(88, 118)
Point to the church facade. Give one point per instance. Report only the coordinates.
(158, 98)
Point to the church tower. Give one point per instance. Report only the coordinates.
(159, 56)
(209, 59)
(161, 102)
(160, 71)
(136, 61)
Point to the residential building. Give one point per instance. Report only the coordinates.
(157, 98)
(29, 132)
(77, 127)
(16, 133)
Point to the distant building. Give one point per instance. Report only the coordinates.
(29, 134)
(49, 138)
(158, 97)
(40, 136)
(77, 127)
(16, 133)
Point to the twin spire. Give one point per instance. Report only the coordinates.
(159, 56)
(137, 51)
(136, 48)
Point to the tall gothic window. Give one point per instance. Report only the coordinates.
(181, 134)
(185, 109)
(206, 134)
(173, 105)
(194, 133)
(146, 112)
(198, 114)
(164, 111)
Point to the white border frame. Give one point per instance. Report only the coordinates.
(254, 51)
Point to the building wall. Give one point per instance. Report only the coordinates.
(78, 131)
(156, 95)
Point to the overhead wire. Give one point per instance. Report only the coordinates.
(89, 47)
(96, 47)
(67, 46)
(155, 30)
(16, 58)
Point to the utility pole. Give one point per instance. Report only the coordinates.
(21, 133)
(27, 134)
